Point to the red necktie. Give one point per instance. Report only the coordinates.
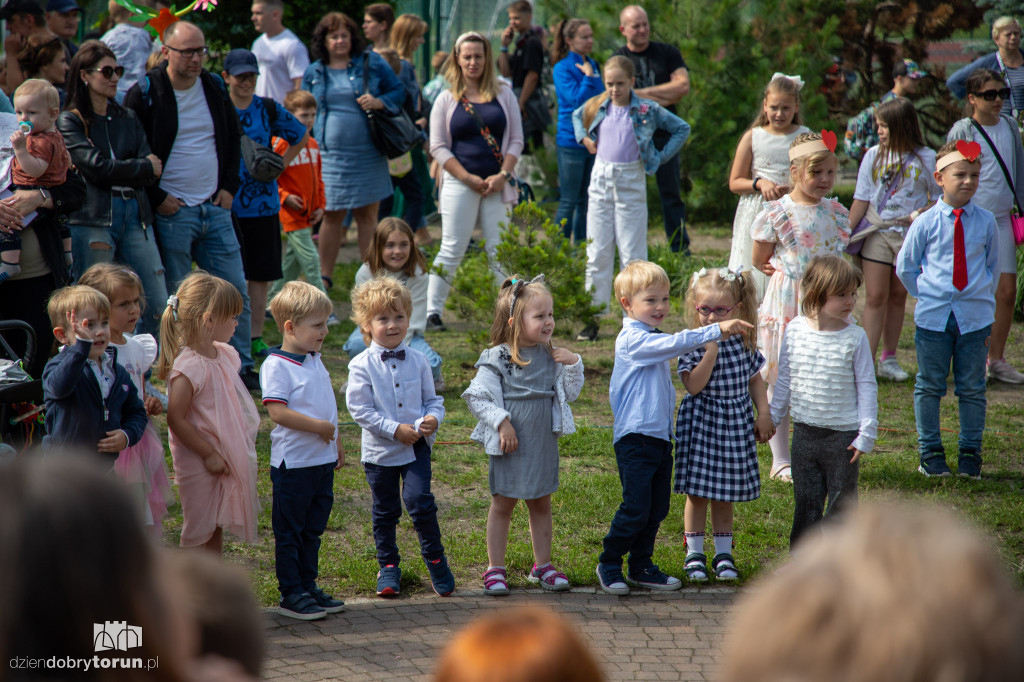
(959, 255)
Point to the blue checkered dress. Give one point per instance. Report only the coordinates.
(716, 453)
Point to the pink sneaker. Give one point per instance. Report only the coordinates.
(549, 577)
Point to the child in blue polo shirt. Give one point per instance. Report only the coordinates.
(391, 396)
(304, 451)
(947, 263)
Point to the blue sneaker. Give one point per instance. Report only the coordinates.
(654, 579)
(611, 580)
(441, 578)
(301, 606)
(969, 465)
(934, 465)
(388, 580)
(326, 601)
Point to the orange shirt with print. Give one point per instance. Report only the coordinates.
(301, 178)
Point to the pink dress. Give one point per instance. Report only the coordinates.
(142, 466)
(799, 233)
(224, 414)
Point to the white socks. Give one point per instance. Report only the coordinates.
(694, 542)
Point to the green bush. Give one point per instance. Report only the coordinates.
(530, 244)
(679, 268)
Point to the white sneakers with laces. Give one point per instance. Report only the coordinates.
(890, 369)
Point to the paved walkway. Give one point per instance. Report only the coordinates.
(672, 636)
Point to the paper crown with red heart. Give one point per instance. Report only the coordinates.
(827, 143)
(965, 151)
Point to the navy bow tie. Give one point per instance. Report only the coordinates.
(656, 331)
(396, 354)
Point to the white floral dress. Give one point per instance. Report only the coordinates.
(799, 233)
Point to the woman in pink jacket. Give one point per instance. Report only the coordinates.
(476, 136)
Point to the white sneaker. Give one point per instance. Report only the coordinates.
(332, 320)
(439, 385)
(1001, 370)
(890, 369)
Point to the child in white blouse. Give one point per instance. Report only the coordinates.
(827, 377)
(391, 396)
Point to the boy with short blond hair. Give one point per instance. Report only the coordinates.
(643, 404)
(304, 450)
(391, 396)
(303, 199)
(91, 401)
(947, 262)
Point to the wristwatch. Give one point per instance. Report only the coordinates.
(45, 193)
(507, 175)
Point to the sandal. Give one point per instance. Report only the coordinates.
(725, 567)
(784, 473)
(328, 282)
(549, 577)
(496, 582)
(696, 567)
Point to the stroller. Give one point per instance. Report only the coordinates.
(21, 396)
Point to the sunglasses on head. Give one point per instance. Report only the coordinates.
(109, 71)
(990, 95)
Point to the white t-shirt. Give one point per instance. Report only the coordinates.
(993, 192)
(282, 58)
(191, 170)
(302, 383)
(917, 190)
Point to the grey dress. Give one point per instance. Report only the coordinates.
(528, 392)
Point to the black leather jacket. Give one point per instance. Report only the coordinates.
(113, 153)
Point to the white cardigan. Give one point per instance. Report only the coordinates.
(486, 389)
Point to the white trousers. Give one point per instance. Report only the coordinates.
(616, 216)
(462, 210)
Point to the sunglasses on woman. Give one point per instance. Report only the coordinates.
(991, 95)
(109, 71)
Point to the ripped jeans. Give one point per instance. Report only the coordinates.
(127, 241)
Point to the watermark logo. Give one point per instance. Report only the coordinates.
(117, 635)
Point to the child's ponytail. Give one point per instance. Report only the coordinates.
(170, 342)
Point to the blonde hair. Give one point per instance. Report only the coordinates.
(893, 593)
(1002, 22)
(110, 278)
(825, 276)
(408, 27)
(808, 163)
(375, 254)
(200, 296)
(74, 298)
(590, 107)
(742, 289)
(38, 87)
(453, 70)
(638, 275)
(507, 327)
(298, 300)
(783, 85)
(523, 643)
(378, 295)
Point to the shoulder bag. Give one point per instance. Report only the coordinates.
(262, 162)
(1016, 220)
(523, 189)
(872, 222)
(392, 134)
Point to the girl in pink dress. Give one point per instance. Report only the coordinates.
(787, 234)
(142, 466)
(210, 415)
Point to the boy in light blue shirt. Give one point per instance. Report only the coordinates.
(643, 406)
(947, 262)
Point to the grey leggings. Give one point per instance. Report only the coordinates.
(821, 470)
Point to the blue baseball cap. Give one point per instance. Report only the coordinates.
(63, 6)
(239, 61)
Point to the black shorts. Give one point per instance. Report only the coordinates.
(261, 247)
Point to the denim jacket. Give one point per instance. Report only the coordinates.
(647, 117)
(383, 84)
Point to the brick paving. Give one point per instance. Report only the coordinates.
(673, 636)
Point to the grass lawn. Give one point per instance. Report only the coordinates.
(589, 492)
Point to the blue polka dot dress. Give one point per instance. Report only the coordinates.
(716, 452)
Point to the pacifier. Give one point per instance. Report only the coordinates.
(25, 126)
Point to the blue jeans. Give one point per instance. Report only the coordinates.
(302, 503)
(390, 486)
(645, 471)
(574, 168)
(205, 234)
(673, 210)
(967, 352)
(126, 240)
(355, 345)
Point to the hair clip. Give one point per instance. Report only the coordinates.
(731, 275)
(517, 286)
